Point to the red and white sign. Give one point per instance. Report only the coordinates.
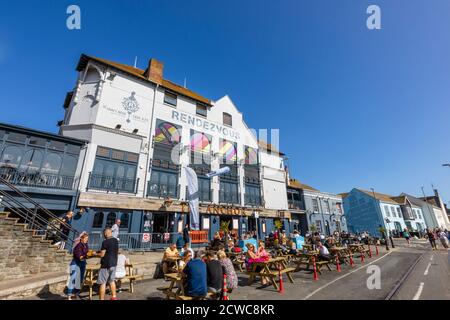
(145, 237)
(166, 236)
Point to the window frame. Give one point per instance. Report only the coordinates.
(224, 114)
(175, 97)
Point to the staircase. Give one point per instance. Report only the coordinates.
(28, 262)
(26, 256)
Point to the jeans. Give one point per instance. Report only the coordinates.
(77, 269)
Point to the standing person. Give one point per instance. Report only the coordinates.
(115, 229)
(78, 264)
(186, 237)
(108, 263)
(406, 235)
(443, 237)
(195, 273)
(432, 239)
(65, 228)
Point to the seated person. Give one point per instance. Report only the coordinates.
(262, 253)
(187, 256)
(292, 247)
(216, 242)
(121, 272)
(171, 252)
(186, 248)
(214, 271)
(196, 277)
(324, 254)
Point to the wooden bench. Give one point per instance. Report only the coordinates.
(131, 277)
(306, 259)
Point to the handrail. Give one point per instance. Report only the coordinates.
(32, 216)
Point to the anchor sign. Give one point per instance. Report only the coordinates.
(130, 105)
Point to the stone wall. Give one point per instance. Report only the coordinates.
(23, 254)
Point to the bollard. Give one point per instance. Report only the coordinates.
(370, 251)
(225, 288)
(362, 257)
(316, 277)
(376, 249)
(280, 287)
(338, 265)
(352, 263)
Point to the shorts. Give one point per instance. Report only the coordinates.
(106, 275)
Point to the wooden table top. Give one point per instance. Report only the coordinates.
(173, 276)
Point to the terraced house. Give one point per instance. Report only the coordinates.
(367, 210)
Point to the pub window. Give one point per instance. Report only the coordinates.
(38, 142)
(170, 98)
(202, 110)
(124, 220)
(98, 220)
(110, 219)
(17, 137)
(227, 119)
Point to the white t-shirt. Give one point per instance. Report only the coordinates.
(323, 250)
(115, 231)
(120, 269)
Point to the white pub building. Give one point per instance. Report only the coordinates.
(142, 130)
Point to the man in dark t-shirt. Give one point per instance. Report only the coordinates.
(195, 272)
(214, 272)
(108, 262)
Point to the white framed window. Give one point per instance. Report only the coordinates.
(399, 213)
(205, 223)
(386, 210)
(170, 98)
(393, 211)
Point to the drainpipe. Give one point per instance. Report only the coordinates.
(150, 138)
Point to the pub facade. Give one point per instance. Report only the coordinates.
(142, 131)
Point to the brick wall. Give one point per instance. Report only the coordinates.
(23, 254)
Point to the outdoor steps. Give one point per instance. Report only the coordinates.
(27, 258)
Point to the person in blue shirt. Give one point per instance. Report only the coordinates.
(195, 273)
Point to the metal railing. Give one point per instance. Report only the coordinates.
(36, 217)
(162, 191)
(136, 241)
(37, 179)
(112, 184)
(252, 200)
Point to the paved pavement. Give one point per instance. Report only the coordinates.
(402, 272)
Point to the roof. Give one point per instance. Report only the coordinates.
(415, 201)
(294, 183)
(269, 148)
(381, 196)
(344, 194)
(84, 59)
(42, 134)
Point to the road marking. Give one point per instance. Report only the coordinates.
(343, 276)
(419, 292)
(428, 268)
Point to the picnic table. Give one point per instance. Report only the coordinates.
(173, 263)
(176, 288)
(342, 253)
(358, 248)
(238, 260)
(270, 269)
(306, 258)
(91, 275)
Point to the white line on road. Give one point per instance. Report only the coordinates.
(343, 276)
(428, 268)
(419, 292)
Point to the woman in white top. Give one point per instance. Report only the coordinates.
(121, 270)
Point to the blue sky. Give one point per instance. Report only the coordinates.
(355, 108)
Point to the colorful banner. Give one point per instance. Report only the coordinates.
(167, 132)
(200, 142)
(251, 155)
(228, 150)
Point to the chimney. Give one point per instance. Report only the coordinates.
(154, 71)
(286, 169)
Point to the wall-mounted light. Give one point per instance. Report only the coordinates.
(135, 131)
(111, 76)
(118, 126)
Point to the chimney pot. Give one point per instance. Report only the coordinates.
(154, 71)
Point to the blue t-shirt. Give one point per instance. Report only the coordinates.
(195, 271)
(180, 242)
